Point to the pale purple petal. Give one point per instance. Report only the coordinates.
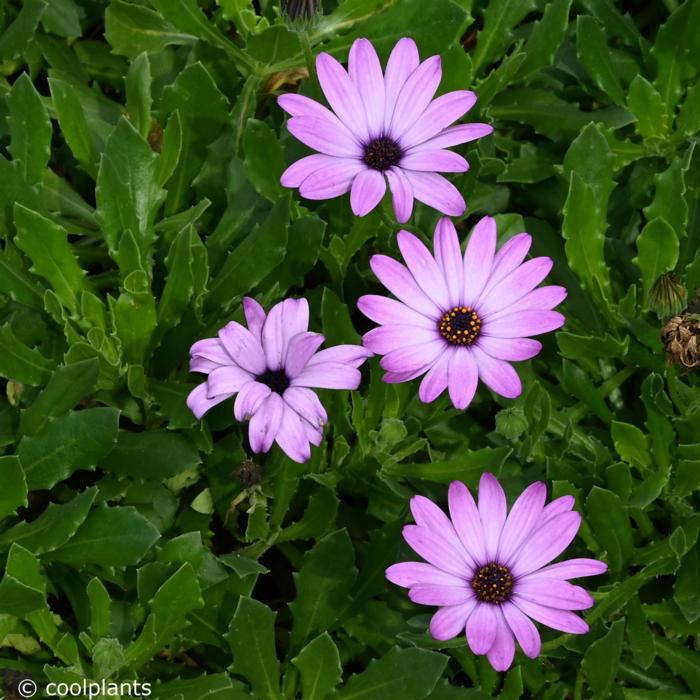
(243, 347)
(249, 399)
(399, 281)
(522, 324)
(435, 380)
(227, 380)
(523, 517)
(412, 573)
(306, 404)
(325, 136)
(313, 435)
(400, 377)
(211, 349)
(415, 95)
(254, 316)
(367, 191)
(342, 94)
(366, 72)
(492, 511)
(510, 255)
(437, 192)
(285, 320)
(203, 365)
(466, 521)
(515, 285)
(301, 348)
(573, 568)
(437, 551)
(199, 403)
(553, 593)
(449, 257)
(353, 355)
(455, 135)
(462, 378)
(265, 423)
(423, 267)
(386, 311)
(478, 259)
(546, 543)
(328, 375)
(563, 504)
(524, 630)
(291, 436)
(428, 594)
(498, 375)
(299, 106)
(561, 620)
(481, 627)
(413, 357)
(439, 114)
(440, 161)
(331, 180)
(384, 339)
(297, 172)
(502, 651)
(402, 62)
(401, 193)
(450, 621)
(543, 298)
(509, 349)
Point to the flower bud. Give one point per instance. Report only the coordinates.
(681, 336)
(300, 14)
(668, 296)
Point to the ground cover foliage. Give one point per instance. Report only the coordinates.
(140, 201)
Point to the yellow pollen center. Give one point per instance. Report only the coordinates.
(493, 583)
(460, 325)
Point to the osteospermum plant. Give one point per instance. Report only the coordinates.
(458, 319)
(489, 571)
(272, 366)
(383, 127)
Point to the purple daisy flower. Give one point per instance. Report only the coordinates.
(382, 126)
(460, 318)
(487, 570)
(273, 365)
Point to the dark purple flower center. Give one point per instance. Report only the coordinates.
(276, 379)
(460, 325)
(382, 153)
(493, 583)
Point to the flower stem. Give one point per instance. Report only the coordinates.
(305, 44)
(396, 226)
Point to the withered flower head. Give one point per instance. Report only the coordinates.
(680, 336)
(668, 296)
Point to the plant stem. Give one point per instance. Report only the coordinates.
(310, 63)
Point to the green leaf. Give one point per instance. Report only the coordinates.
(644, 101)
(669, 200)
(54, 527)
(118, 536)
(630, 443)
(15, 280)
(657, 252)
(30, 129)
(100, 607)
(677, 52)
(639, 635)
(611, 526)
(155, 454)
(688, 122)
(16, 37)
(133, 29)
(593, 51)
(319, 665)
(601, 660)
(500, 18)
(323, 587)
(409, 674)
(75, 441)
(46, 245)
(67, 386)
(686, 587)
(138, 94)
(578, 382)
(22, 589)
(251, 636)
(468, 467)
(264, 159)
(683, 662)
(546, 38)
(20, 363)
(62, 17)
(257, 256)
(14, 491)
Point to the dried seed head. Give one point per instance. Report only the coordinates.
(680, 336)
(668, 296)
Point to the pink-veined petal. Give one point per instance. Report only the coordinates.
(367, 191)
